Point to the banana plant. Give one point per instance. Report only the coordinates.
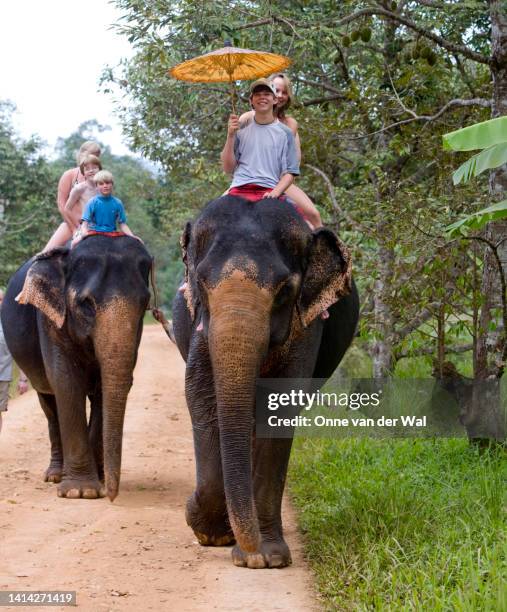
(491, 138)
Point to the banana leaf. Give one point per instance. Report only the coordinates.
(477, 220)
(477, 136)
(485, 160)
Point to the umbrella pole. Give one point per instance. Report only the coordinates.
(233, 96)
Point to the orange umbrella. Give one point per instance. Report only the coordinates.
(229, 64)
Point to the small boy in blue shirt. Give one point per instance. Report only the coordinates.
(103, 212)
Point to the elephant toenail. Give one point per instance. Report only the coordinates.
(256, 561)
(276, 561)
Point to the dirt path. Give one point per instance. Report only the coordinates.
(136, 553)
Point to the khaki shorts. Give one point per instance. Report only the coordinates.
(4, 394)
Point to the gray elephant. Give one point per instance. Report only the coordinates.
(258, 281)
(75, 332)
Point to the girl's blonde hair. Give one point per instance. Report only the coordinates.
(89, 159)
(104, 176)
(288, 87)
(90, 147)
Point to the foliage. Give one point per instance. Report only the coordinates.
(393, 524)
(491, 136)
(479, 219)
(367, 87)
(478, 136)
(27, 196)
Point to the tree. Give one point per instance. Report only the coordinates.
(371, 79)
(27, 196)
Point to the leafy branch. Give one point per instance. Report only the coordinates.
(379, 11)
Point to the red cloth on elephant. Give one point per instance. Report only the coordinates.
(251, 192)
(109, 234)
(254, 193)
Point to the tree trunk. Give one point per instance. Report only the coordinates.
(383, 353)
(484, 419)
(441, 340)
(383, 358)
(489, 343)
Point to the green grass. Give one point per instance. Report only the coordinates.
(403, 524)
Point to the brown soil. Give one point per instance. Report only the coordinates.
(136, 553)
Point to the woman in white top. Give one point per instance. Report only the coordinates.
(284, 95)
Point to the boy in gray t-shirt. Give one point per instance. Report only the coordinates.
(262, 155)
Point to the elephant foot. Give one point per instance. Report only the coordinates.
(77, 489)
(271, 555)
(211, 528)
(206, 539)
(53, 473)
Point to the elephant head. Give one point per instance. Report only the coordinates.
(94, 298)
(257, 278)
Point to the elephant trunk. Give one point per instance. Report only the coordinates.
(116, 340)
(238, 340)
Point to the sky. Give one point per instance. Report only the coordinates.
(52, 53)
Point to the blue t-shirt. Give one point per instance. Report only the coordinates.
(103, 212)
(264, 152)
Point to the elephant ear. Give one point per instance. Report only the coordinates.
(328, 276)
(189, 292)
(44, 285)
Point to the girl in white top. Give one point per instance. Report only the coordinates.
(78, 197)
(297, 195)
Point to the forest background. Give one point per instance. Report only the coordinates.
(377, 84)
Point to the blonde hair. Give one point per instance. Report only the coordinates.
(89, 147)
(89, 159)
(288, 87)
(104, 176)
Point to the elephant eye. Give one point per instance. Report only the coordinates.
(201, 243)
(87, 307)
(286, 292)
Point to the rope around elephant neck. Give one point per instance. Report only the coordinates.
(154, 285)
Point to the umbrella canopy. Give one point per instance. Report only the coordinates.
(229, 64)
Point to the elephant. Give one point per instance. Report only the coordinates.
(257, 282)
(74, 330)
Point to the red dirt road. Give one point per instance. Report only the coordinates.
(136, 553)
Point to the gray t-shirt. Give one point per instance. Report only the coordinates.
(5, 359)
(264, 153)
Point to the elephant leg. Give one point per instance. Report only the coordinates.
(55, 468)
(206, 511)
(271, 459)
(79, 470)
(95, 433)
